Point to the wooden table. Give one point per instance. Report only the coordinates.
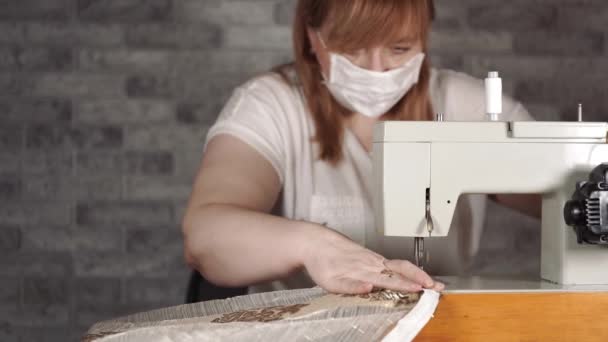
(498, 309)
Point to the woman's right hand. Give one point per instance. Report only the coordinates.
(339, 265)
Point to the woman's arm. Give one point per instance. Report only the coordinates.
(233, 241)
(529, 204)
(228, 235)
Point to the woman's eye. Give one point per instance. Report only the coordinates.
(401, 49)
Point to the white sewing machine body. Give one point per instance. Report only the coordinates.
(447, 159)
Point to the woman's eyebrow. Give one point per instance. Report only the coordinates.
(405, 40)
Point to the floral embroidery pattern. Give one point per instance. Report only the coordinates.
(270, 314)
(384, 295)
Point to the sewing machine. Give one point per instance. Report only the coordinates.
(421, 168)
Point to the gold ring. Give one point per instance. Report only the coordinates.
(387, 272)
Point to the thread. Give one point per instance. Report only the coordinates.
(493, 95)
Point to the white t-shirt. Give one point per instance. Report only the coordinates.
(271, 117)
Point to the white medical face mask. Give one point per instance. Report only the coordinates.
(367, 92)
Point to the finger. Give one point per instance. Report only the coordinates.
(411, 272)
(395, 282)
(439, 286)
(351, 286)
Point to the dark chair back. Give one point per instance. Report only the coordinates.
(200, 290)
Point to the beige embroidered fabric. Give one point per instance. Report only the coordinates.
(293, 315)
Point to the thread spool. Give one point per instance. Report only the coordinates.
(493, 95)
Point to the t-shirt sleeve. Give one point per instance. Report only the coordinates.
(465, 99)
(252, 115)
(516, 111)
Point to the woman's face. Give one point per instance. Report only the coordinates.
(379, 58)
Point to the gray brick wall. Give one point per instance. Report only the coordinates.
(104, 106)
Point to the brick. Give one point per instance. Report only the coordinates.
(187, 163)
(233, 62)
(100, 264)
(61, 332)
(35, 9)
(44, 136)
(109, 163)
(45, 300)
(97, 290)
(53, 264)
(446, 61)
(199, 113)
(10, 238)
(588, 17)
(513, 66)
(522, 16)
(62, 85)
(157, 188)
(559, 43)
(125, 10)
(448, 41)
(126, 60)
(257, 37)
(8, 333)
(97, 188)
(562, 91)
(11, 187)
(154, 241)
(12, 84)
(62, 34)
(35, 110)
(31, 212)
(87, 314)
(112, 264)
(542, 68)
(284, 12)
(150, 265)
(544, 112)
(165, 137)
(11, 137)
(123, 112)
(55, 187)
(46, 187)
(10, 293)
(225, 13)
(185, 88)
(163, 292)
(10, 162)
(124, 214)
(149, 163)
(180, 210)
(172, 35)
(65, 239)
(592, 111)
(57, 162)
(78, 85)
(450, 15)
(35, 58)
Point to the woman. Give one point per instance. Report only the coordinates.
(296, 143)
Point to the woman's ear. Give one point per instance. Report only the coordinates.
(313, 39)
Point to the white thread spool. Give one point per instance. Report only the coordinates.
(493, 95)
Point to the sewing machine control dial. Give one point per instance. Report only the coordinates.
(587, 212)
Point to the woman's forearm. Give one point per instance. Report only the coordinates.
(528, 204)
(233, 246)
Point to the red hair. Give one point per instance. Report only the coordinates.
(356, 24)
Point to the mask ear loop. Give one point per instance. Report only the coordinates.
(325, 47)
(321, 39)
